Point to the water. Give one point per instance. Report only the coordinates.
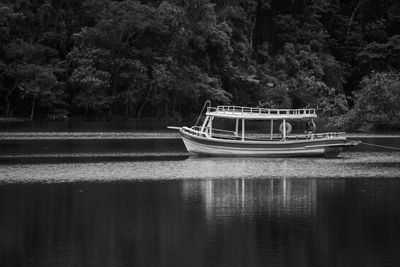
(35, 147)
(348, 165)
(190, 211)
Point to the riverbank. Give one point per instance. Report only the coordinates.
(88, 135)
(167, 134)
(4, 120)
(151, 127)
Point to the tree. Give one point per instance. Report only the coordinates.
(379, 97)
(163, 58)
(37, 85)
(90, 78)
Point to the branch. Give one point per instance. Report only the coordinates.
(352, 18)
(12, 89)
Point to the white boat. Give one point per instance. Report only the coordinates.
(209, 141)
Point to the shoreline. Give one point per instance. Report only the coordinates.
(136, 135)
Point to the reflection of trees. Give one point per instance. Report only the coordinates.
(230, 222)
(241, 197)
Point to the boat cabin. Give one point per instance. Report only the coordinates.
(241, 114)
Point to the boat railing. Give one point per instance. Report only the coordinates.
(220, 131)
(214, 130)
(327, 135)
(195, 130)
(259, 111)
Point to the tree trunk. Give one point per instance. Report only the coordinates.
(7, 107)
(33, 106)
(145, 101)
(252, 29)
(86, 109)
(8, 101)
(114, 86)
(253, 24)
(166, 109)
(131, 108)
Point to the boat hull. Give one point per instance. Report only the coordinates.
(203, 146)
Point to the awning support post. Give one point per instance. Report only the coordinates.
(242, 129)
(284, 129)
(272, 129)
(210, 125)
(237, 127)
(204, 124)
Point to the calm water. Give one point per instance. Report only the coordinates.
(203, 212)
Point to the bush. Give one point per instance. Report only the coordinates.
(379, 97)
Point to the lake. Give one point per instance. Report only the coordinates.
(191, 211)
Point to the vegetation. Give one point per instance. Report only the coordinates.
(163, 59)
(379, 98)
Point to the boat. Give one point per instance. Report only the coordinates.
(206, 140)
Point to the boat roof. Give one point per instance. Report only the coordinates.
(249, 113)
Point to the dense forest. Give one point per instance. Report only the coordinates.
(63, 59)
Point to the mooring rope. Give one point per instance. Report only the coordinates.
(389, 147)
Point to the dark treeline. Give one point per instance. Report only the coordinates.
(163, 59)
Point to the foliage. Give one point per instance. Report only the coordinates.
(379, 97)
(98, 58)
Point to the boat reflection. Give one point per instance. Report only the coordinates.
(290, 198)
(203, 222)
